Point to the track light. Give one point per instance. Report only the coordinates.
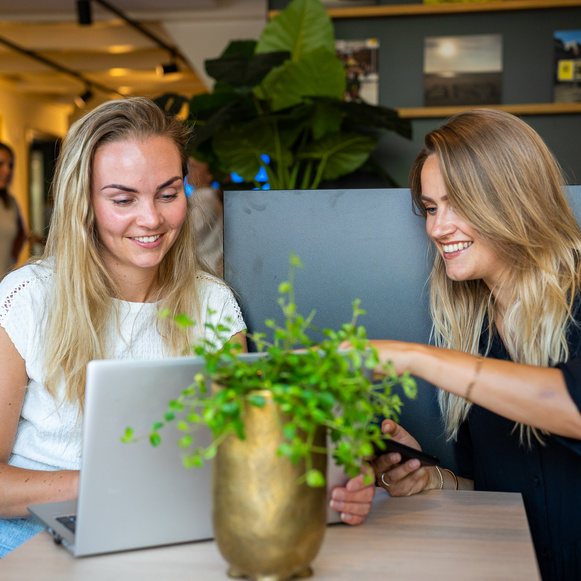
(167, 69)
(84, 14)
(82, 99)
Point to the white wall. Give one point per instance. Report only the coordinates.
(209, 33)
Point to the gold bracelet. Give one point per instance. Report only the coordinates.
(441, 478)
(474, 377)
(454, 477)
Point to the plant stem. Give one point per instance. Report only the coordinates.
(307, 175)
(319, 175)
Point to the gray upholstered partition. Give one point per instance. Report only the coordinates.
(364, 244)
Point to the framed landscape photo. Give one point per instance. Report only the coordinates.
(462, 70)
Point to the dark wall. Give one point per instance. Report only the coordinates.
(527, 72)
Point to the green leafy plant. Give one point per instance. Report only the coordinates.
(283, 96)
(316, 385)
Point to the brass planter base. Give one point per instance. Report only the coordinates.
(302, 574)
(266, 525)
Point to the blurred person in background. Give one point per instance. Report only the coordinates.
(12, 232)
(208, 216)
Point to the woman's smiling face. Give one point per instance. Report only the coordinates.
(138, 197)
(465, 255)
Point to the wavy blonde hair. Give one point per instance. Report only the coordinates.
(83, 303)
(502, 178)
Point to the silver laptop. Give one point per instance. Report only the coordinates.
(134, 496)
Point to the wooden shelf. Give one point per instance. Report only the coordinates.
(391, 10)
(525, 109)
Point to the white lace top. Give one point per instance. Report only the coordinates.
(49, 431)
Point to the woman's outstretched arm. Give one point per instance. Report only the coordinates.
(535, 396)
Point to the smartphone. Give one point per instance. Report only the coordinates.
(406, 452)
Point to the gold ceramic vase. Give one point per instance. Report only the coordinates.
(266, 525)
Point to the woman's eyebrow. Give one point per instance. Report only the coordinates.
(169, 182)
(119, 187)
(428, 199)
(133, 190)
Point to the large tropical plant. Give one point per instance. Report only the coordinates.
(277, 107)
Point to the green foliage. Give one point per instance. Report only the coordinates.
(283, 96)
(313, 384)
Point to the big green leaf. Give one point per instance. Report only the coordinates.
(374, 116)
(245, 48)
(339, 153)
(318, 73)
(204, 106)
(212, 113)
(239, 70)
(301, 28)
(207, 128)
(325, 120)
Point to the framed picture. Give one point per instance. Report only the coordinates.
(462, 70)
(360, 59)
(567, 81)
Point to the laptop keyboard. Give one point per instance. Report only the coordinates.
(69, 521)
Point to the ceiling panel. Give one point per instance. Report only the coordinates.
(109, 54)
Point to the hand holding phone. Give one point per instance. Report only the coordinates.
(406, 452)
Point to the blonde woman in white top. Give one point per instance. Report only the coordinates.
(119, 250)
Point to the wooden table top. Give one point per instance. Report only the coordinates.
(447, 536)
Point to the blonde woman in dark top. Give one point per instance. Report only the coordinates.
(506, 311)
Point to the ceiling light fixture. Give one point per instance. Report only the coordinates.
(84, 13)
(167, 69)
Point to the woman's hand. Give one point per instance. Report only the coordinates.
(402, 479)
(353, 500)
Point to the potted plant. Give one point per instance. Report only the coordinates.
(274, 421)
(278, 110)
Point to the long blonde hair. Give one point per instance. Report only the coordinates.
(83, 301)
(501, 177)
